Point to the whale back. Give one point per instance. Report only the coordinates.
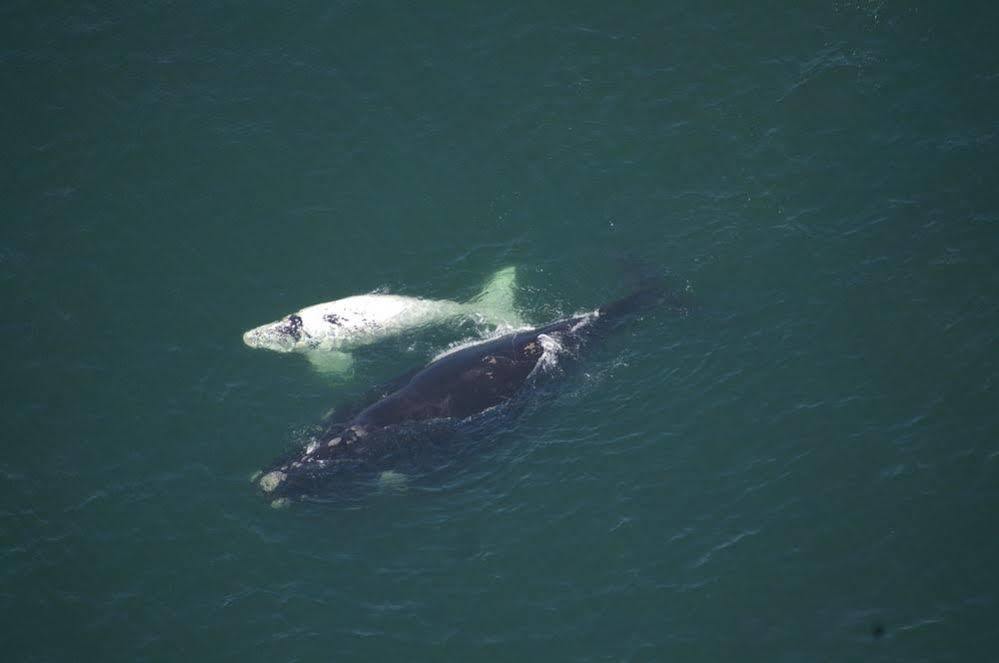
(363, 319)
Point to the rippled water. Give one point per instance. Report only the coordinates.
(805, 467)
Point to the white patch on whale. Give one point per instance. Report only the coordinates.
(326, 333)
(270, 481)
(551, 349)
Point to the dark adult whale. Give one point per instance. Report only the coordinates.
(457, 385)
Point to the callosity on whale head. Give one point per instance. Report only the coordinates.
(281, 336)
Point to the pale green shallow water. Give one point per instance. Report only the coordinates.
(806, 468)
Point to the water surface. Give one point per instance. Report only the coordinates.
(804, 468)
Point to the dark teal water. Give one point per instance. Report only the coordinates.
(805, 468)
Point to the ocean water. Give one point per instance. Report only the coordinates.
(803, 468)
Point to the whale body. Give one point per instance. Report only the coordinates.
(326, 333)
(455, 386)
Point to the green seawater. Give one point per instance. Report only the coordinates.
(803, 468)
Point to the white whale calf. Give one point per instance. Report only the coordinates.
(326, 333)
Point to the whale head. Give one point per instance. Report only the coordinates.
(285, 335)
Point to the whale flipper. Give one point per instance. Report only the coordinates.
(332, 362)
(495, 302)
(393, 481)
